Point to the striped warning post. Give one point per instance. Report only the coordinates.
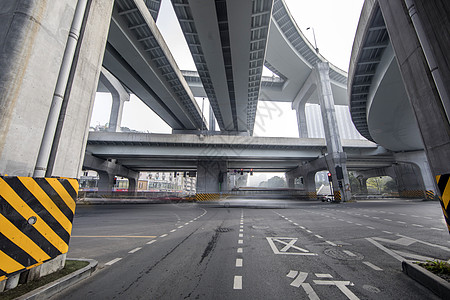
(444, 188)
(430, 195)
(36, 217)
(337, 196)
(202, 197)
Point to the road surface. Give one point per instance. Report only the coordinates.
(310, 250)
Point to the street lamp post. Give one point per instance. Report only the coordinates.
(314, 35)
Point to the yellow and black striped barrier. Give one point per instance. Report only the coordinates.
(311, 195)
(412, 194)
(36, 217)
(203, 197)
(443, 182)
(337, 196)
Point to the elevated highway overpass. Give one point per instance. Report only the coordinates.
(181, 152)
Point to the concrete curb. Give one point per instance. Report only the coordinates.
(433, 282)
(52, 288)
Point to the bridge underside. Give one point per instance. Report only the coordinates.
(160, 152)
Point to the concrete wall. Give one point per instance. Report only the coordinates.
(32, 42)
(74, 130)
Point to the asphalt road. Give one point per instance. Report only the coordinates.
(308, 250)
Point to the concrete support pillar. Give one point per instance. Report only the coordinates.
(301, 120)
(336, 158)
(212, 120)
(32, 45)
(421, 169)
(309, 181)
(290, 180)
(105, 182)
(132, 184)
(119, 96)
(212, 176)
(362, 184)
(73, 127)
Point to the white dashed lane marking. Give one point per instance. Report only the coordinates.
(109, 263)
(239, 262)
(164, 235)
(240, 250)
(376, 268)
(151, 242)
(349, 253)
(331, 243)
(135, 250)
(237, 285)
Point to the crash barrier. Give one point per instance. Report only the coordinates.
(202, 197)
(36, 217)
(412, 194)
(443, 182)
(311, 195)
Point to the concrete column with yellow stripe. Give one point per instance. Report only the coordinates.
(443, 182)
(36, 217)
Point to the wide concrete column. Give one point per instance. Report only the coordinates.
(336, 158)
(119, 96)
(420, 170)
(362, 183)
(132, 184)
(32, 45)
(290, 180)
(212, 176)
(105, 182)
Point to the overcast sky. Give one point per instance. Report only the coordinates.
(334, 24)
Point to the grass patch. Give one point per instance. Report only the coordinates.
(22, 289)
(439, 268)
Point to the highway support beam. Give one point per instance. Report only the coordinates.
(119, 96)
(107, 170)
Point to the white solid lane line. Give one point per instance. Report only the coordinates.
(109, 263)
(237, 283)
(135, 250)
(372, 266)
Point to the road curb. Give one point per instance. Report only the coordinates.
(52, 288)
(433, 282)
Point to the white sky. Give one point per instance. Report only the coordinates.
(334, 24)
